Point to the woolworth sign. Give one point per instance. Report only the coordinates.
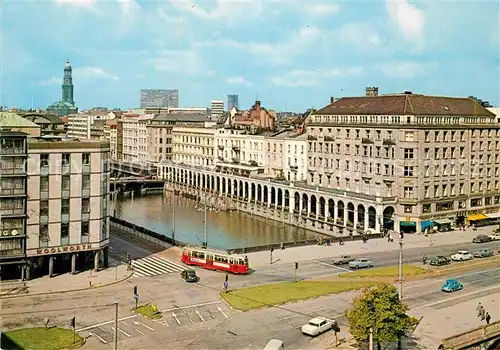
(60, 250)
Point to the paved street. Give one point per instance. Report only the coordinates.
(155, 265)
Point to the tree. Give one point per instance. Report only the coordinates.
(380, 309)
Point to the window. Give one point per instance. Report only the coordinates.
(408, 171)
(65, 160)
(64, 206)
(427, 136)
(427, 192)
(65, 182)
(409, 136)
(44, 160)
(64, 233)
(44, 184)
(85, 232)
(86, 158)
(408, 192)
(408, 153)
(44, 208)
(85, 205)
(436, 153)
(86, 182)
(43, 235)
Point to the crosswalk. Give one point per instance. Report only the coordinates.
(153, 266)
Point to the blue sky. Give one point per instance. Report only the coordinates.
(289, 55)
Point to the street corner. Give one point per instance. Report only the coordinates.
(171, 321)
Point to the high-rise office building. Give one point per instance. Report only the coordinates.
(157, 98)
(232, 101)
(217, 107)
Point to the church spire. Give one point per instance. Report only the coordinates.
(67, 86)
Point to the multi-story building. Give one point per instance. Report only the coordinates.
(14, 122)
(217, 107)
(50, 124)
(287, 156)
(232, 102)
(159, 132)
(193, 145)
(135, 138)
(67, 207)
(113, 139)
(425, 157)
(157, 98)
(256, 117)
(81, 125)
(13, 192)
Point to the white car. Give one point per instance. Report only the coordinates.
(317, 326)
(495, 236)
(461, 255)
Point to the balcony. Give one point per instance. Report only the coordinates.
(365, 140)
(329, 139)
(221, 147)
(312, 138)
(12, 192)
(12, 171)
(13, 212)
(388, 142)
(11, 253)
(236, 148)
(236, 160)
(20, 151)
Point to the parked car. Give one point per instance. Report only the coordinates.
(452, 285)
(317, 326)
(481, 239)
(439, 261)
(360, 263)
(461, 255)
(344, 259)
(189, 275)
(483, 253)
(495, 236)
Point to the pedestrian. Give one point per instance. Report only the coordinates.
(483, 313)
(225, 286)
(478, 309)
(488, 318)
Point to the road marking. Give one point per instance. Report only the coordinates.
(331, 265)
(222, 312)
(210, 312)
(134, 316)
(125, 323)
(102, 329)
(142, 324)
(457, 297)
(121, 330)
(98, 337)
(198, 285)
(175, 317)
(456, 277)
(201, 317)
(138, 331)
(185, 313)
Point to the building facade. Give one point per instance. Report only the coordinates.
(256, 117)
(217, 107)
(67, 207)
(81, 125)
(232, 102)
(135, 138)
(193, 145)
(67, 104)
(13, 194)
(159, 98)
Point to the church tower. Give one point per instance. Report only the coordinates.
(67, 86)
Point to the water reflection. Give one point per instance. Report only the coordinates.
(224, 229)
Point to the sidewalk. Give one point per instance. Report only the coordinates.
(314, 252)
(82, 280)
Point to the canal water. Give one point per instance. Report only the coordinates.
(224, 229)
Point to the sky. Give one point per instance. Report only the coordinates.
(289, 55)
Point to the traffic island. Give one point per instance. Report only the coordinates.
(149, 311)
(41, 338)
(386, 272)
(268, 295)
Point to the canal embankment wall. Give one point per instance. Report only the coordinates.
(165, 241)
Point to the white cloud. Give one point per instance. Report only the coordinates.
(298, 78)
(238, 80)
(405, 69)
(182, 61)
(359, 33)
(409, 19)
(88, 4)
(321, 9)
(51, 81)
(93, 72)
(129, 6)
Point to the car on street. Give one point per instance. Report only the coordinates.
(452, 285)
(360, 263)
(461, 255)
(495, 236)
(481, 239)
(439, 261)
(344, 259)
(482, 253)
(189, 275)
(317, 326)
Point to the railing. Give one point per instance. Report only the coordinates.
(11, 253)
(12, 191)
(474, 336)
(142, 233)
(12, 150)
(15, 211)
(12, 171)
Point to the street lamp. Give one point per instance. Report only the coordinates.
(400, 267)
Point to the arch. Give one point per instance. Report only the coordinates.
(361, 216)
(212, 184)
(372, 217)
(259, 192)
(265, 198)
(273, 196)
(241, 189)
(287, 199)
(235, 187)
(340, 212)
(322, 206)
(246, 194)
(253, 196)
(296, 198)
(224, 185)
(218, 185)
(279, 200)
(331, 209)
(388, 218)
(350, 214)
(305, 205)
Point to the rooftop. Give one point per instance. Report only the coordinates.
(405, 104)
(181, 117)
(13, 120)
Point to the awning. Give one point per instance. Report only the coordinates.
(407, 223)
(476, 217)
(444, 221)
(425, 224)
(493, 215)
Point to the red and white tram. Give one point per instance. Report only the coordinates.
(215, 260)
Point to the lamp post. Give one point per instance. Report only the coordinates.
(400, 269)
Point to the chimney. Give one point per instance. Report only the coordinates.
(371, 91)
(332, 99)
